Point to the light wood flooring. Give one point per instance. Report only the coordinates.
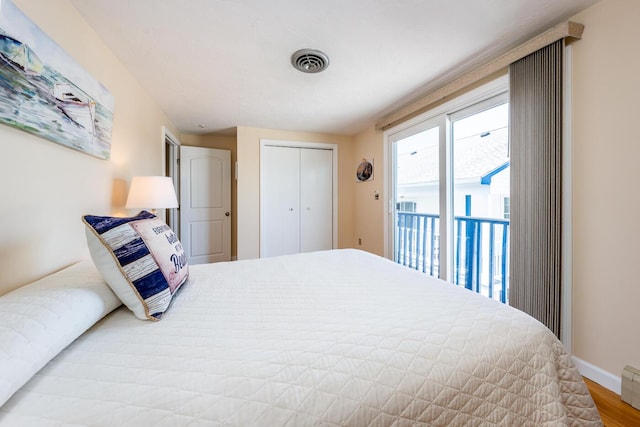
(613, 411)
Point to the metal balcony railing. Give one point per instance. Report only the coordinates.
(481, 250)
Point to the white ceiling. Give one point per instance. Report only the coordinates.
(226, 63)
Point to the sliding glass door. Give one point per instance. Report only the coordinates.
(481, 196)
(417, 201)
(450, 205)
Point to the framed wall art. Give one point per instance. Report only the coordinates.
(43, 91)
(364, 170)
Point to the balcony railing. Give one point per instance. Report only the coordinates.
(481, 250)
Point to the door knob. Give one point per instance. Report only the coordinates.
(227, 214)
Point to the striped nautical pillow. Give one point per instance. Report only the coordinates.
(140, 258)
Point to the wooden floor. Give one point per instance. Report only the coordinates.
(613, 411)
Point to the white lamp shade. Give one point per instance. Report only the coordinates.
(151, 192)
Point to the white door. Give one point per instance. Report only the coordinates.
(296, 200)
(316, 200)
(205, 204)
(280, 201)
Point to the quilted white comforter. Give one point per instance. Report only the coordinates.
(329, 338)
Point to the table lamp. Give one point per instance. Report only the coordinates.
(152, 193)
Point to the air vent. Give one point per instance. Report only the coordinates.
(310, 61)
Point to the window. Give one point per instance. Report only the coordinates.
(406, 206)
(506, 207)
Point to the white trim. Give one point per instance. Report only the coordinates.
(166, 134)
(298, 144)
(479, 106)
(173, 215)
(387, 197)
(168, 137)
(600, 376)
(302, 144)
(446, 203)
(566, 319)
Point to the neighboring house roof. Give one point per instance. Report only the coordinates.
(476, 158)
(486, 178)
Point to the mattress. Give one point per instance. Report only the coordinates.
(334, 338)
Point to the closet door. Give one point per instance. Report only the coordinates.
(316, 200)
(280, 231)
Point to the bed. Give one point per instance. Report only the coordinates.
(334, 338)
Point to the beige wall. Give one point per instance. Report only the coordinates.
(221, 142)
(606, 175)
(369, 213)
(249, 184)
(47, 187)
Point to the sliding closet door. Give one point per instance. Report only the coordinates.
(316, 200)
(280, 194)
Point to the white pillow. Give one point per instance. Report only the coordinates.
(39, 320)
(140, 258)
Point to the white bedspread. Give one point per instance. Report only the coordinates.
(329, 338)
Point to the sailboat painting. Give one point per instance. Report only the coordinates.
(45, 92)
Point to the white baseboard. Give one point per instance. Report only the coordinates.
(600, 376)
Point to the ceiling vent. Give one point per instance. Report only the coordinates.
(310, 61)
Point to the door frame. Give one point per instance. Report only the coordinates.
(302, 144)
(171, 146)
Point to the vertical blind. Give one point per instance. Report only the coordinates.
(535, 133)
